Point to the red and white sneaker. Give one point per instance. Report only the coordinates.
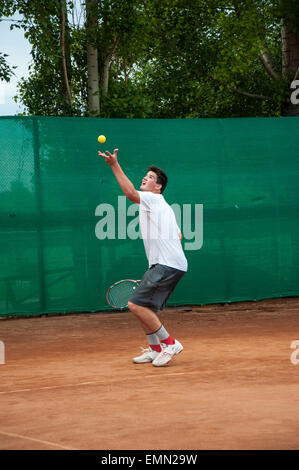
(168, 351)
(148, 356)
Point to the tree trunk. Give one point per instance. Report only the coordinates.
(106, 70)
(92, 57)
(93, 81)
(268, 63)
(65, 51)
(290, 64)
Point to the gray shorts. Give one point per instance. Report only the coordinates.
(156, 286)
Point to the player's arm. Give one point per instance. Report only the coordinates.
(124, 182)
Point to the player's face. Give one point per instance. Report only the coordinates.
(149, 183)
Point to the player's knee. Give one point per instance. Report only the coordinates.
(132, 307)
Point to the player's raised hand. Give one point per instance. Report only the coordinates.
(110, 159)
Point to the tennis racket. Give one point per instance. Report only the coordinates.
(119, 293)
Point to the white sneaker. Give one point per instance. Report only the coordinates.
(167, 353)
(148, 356)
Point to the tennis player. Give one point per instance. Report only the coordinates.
(167, 262)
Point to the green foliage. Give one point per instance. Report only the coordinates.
(126, 100)
(166, 59)
(204, 51)
(6, 71)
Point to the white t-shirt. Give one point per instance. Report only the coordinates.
(160, 232)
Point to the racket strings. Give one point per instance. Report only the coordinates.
(119, 294)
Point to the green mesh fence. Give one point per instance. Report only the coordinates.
(234, 183)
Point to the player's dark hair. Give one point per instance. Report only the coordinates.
(161, 176)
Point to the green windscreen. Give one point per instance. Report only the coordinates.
(67, 232)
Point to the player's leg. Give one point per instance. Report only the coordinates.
(139, 306)
(151, 296)
(170, 346)
(149, 321)
(157, 336)
(161, 334)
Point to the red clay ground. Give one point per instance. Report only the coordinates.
(69, 381)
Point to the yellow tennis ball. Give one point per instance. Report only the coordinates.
(101, 139)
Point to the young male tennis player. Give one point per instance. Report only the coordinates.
(167, 262)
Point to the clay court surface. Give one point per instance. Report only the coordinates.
(69, 381)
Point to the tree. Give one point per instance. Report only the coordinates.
(75, 64)
(175, 58)
(227, 45)
(47, 89)
(92, 57)
(65, 50)
(290, 49)
(6, 71)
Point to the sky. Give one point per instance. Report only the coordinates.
(18, 48)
